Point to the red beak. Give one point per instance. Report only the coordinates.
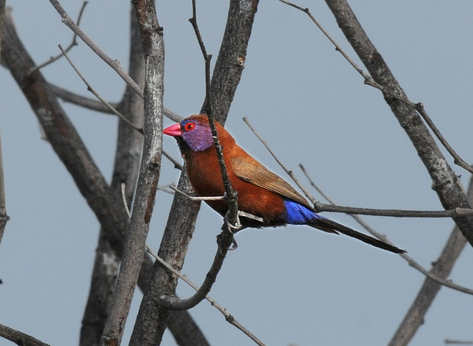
(173, 130)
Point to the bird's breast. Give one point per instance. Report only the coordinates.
(204, 173)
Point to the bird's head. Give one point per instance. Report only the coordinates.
(192, 133)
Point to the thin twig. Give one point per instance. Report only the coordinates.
(177, 165)
(228, 316)
(395, 212)
(456, 158)
(98, 106)
(19, 338)
(197, 198)
(407, 258)
(68, 48)
(114, 64)
(457, 342)
(231, 195)
(92, 90)
(3, 210)
(368, 80)
(289, 172)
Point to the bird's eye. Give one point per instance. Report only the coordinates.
(189, 126)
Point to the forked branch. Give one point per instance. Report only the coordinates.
(68, 48)
(368, 80)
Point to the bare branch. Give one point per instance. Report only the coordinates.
(368, 80)
(395, 212)
(114, 64)
(228, 316)
(206, 107)
(92, 90)
(98, 106)
(232, 56)
(69, 47)
(457, 342)
(3, 210)
(197, 198)
(441, 268)
(445, 182)
(177, 165)
(173, 303)
(407, 258)
(19, 338)
(457, 159)
(153, 49)
(289, 172)
(320, 207)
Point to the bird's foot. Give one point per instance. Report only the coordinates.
(234, 227)
(233, 246)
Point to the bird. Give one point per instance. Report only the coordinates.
(267, 198)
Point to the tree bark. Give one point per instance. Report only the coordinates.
(126, 168)
(143, 204)
(441, 268)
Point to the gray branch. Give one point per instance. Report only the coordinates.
(153, 49)
(3, 210)
(88, 41)
(442, 267)
(19, 338)
(126, 168)
(445, 182)
(89, 103)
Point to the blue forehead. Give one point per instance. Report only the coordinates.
(184, 122)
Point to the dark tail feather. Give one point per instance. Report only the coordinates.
(334, 227)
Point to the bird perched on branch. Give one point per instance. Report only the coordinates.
(268, 199)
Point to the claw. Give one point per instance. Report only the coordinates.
(233, 246)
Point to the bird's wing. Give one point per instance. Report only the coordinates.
(251, 171)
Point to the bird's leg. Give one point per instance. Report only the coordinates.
(233, 228)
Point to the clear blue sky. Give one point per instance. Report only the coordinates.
(289, 285)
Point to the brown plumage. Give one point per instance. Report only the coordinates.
(260, 192)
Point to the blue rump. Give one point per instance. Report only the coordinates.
(297, 213)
